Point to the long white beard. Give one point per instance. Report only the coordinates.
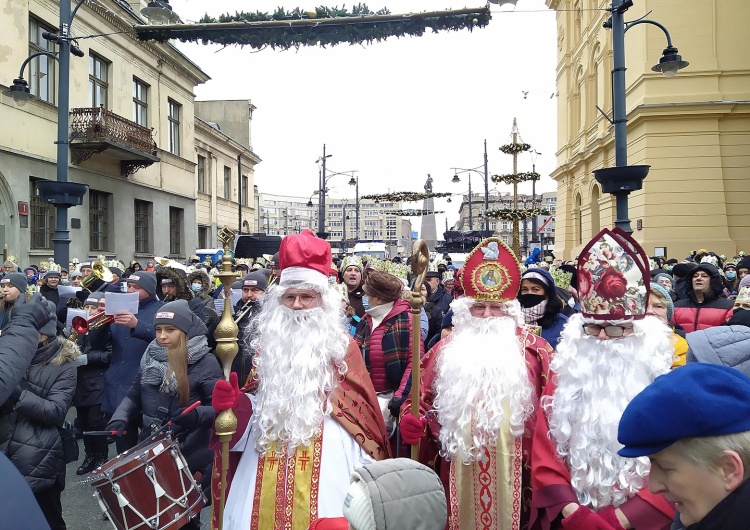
(300, 361)
(482, 367)
(595, 382)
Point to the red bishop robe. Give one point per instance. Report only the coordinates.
(484, 499)
(355, 408)
(552, 489)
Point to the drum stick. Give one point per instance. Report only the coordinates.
(191, 408)
(102, 433)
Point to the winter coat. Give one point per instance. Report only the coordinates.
(28, 426)
(97, 347)
(713, 311)
(145, 398)
(6, 311)
(441, 298)
(552, 333)
(19, 508)
(51, 294)
(204, 296)
(726, 345)
(18, 344)
(128, 346)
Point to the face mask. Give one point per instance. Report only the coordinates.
(65, 282)
(366, 302)
(668, 268)
(196, 287)
(731, 275)
(530, 300)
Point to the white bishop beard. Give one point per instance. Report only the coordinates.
(595, 382)
(300, 361)
(482, 366)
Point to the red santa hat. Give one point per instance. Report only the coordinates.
(491, 272)
(613, 277)
(304, 258)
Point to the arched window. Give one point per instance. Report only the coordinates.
(576, 103)
(595, 223)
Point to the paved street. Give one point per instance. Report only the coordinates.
(80, 509)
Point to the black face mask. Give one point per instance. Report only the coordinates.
(530, 300)
(741, 317)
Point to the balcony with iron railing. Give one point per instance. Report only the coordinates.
(99, 131)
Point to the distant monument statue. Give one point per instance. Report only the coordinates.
(429, 229)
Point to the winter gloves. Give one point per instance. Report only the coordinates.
(412, 429)
(117, 427)
(226, 394)
(585, 519)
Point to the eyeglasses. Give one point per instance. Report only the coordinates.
(480, 308)
(611, 331)
(305, 299)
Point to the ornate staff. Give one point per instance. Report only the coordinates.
(420, 258)
(226, 349)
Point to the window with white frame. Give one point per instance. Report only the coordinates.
(41, 69)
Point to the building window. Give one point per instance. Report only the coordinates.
(42, 221)
(140, 102)
(98, 81)
(42, 68)
(175, 231)
(227, 182)
(201, 175)
(98, 221)
(204, 235)
(245, 185)
(174, 126)
(142, 218)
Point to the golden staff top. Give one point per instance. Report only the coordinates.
(420, 258)
(226, 350)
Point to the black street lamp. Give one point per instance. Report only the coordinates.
(622, 179)
(457, 171)
(354, 181)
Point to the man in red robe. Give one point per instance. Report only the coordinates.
(311, 415)
(607, 355)
(479, 390)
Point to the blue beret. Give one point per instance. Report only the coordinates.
(696, 400)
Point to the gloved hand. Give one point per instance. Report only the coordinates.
(35, 310)
(118, 426)
(81, 360)
(394, 406)
(585, 519)
(185, 421)
(226, 394)
(610, 517)
(412, 429)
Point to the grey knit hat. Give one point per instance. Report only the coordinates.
(16, 279)
(177, 314)
(144, 280)
(255, 279)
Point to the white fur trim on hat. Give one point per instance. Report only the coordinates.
(357, 505)
(292, 276)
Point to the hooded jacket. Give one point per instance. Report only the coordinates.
(204, 296)
(205, 311)
(713, 311)
(28, 425)
(726, 345)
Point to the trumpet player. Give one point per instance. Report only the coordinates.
(254, 287)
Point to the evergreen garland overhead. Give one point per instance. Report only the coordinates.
(513, 215)
(512, 148)
(411, 213)
(404, 196)
(516, 178)
(325, 26)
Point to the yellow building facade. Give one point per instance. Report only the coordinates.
(693, 129)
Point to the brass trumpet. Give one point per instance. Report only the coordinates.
(99, 271)
(244, 310)
(82, 326)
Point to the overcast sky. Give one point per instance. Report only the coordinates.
(396, 110)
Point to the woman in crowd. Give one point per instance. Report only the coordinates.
(177, 369)
(13, 288)
(540, 304)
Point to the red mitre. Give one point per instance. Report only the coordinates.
(613, 276)
(304, 258)
(491, 272)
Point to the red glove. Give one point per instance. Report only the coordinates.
(610, 517)
(585, 519)
(412, 429)
(226, 394)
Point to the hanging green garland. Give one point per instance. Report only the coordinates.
(323, 27)
(514, 148)
(411, 213)
(515, 178)
(405, 196)
(512, 215)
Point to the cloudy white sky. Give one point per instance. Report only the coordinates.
(396, 110)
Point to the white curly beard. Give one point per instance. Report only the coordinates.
(482, 366)
(595, 382)
(300, 361)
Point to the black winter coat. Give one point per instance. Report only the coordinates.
(97, 347)
(28, 426)
(146, 399)
(18, 343)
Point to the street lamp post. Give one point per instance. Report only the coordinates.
(354, 181)
(322, 180)
(343, 231)
(457, 171)
(622, 179)
(61, 193)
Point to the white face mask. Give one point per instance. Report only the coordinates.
(196, 287)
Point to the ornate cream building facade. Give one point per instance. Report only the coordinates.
(693, 129)
(135, 139)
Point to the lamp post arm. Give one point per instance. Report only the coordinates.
(34, 55)
(75, 10)
(629, 25)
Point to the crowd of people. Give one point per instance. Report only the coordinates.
(601, 393)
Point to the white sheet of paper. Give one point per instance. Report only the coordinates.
(116, 302)
(74, 313)
(67, 290)
(219, 302)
